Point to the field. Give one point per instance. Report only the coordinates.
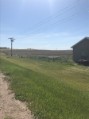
(53, 89)
(34, 52)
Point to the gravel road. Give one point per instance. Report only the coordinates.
(10, 108)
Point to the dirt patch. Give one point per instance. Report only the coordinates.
(10, 108)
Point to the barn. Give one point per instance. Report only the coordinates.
(81, 51)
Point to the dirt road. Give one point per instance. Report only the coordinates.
(10, 108)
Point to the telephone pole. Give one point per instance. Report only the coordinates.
(12, 40)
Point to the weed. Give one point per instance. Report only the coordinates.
(52, 90)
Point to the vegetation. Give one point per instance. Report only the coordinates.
(52, 89)
(7, 118)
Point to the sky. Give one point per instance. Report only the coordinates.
(43, 24)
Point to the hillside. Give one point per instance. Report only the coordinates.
(51, 89)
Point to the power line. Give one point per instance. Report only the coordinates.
(53, 17)
(60, 21)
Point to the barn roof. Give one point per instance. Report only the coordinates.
(84, 39)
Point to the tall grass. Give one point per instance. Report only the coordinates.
(49, 88)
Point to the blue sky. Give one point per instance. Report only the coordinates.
(43, 24)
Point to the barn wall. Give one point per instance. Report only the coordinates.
(81, 51)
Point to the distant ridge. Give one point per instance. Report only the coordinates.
(37, 52)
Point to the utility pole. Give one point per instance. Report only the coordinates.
(12, 40)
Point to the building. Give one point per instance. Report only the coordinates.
(81, 51)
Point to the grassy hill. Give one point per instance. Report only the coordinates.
(52, 89)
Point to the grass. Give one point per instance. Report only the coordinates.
(52, 89)
(8, 118)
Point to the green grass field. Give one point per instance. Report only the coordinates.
(52, 89)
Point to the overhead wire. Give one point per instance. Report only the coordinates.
(58, 17)
(52, 17)
(47, 19)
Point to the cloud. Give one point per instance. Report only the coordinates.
(61, 40)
